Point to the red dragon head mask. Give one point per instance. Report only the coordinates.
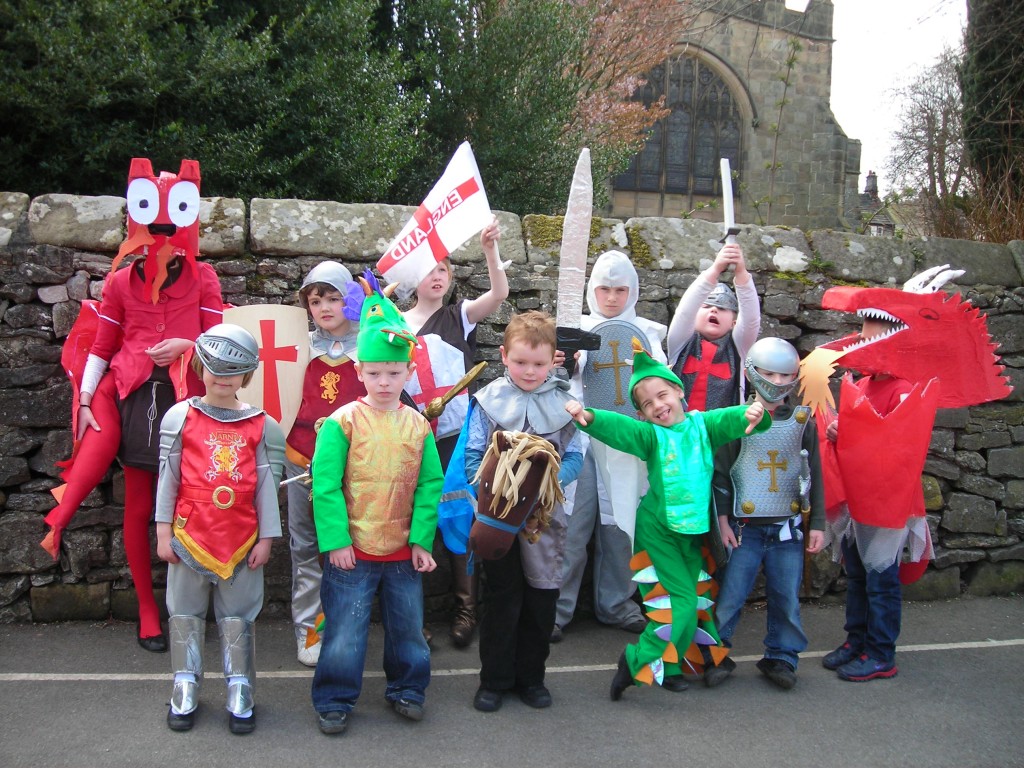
(163, 220)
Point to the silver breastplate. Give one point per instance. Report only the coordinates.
(766, 474)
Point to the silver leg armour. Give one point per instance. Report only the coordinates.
(238, 646)
(187, 635)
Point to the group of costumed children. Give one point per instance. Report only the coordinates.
(367, 522)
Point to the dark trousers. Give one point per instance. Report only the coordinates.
(515, 629)
(874, 605)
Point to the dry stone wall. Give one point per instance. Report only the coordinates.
(55, 251)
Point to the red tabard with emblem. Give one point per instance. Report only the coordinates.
(325, 389)
(214, 516)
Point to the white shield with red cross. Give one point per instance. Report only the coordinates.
(439, 366)
(282, 333)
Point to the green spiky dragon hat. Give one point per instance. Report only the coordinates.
(384, 336)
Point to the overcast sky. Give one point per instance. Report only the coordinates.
(880, 44)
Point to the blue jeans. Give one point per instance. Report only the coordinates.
(874, 606)
(347, 598)
(783, 571)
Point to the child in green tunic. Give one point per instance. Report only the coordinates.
(672, 517)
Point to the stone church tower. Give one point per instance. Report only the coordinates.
(729, 83)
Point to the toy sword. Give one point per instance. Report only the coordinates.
(729, 228)
(436, 406)
(572, 265)
(805, 512)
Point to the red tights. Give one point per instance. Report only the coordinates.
(94, 456)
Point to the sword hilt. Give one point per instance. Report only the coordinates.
(729, 238)
(573, 340)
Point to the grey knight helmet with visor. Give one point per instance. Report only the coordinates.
(228, 350)
(774, 356)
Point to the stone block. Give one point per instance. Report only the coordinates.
(58, 447)
(222, 226)
(966, 513)
(1006, 462)
(13, 470)
(85, 549)
(21, 533)
(944, 558)
(78, 286)
(28, 316)
(982, 440)
(52, 294)
(952, 418)
(70, 602)
(27, 375)
(124, 605)
(885, 261)
(1014, 498)
(934, 585)
(36, 408)
(972, 540)
(1004, 578)
(13, 587)
(982, 486)
(64, 315)
(932, 493)
(78, 221)
(989, 263)
(1016, 552)
(29, 502)
(942, 468)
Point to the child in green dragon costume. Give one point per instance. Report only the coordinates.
(671, 519)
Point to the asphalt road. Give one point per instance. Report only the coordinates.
(81, 694)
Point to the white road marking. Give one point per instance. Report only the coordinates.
(55, 677)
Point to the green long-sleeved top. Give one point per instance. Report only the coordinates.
(680, 459)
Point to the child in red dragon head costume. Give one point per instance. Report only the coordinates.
(137, 368)
(919, 350)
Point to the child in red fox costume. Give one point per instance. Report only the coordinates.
(151, 314)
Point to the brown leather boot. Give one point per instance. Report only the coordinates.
(465, 589)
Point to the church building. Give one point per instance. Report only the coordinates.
(750, 81)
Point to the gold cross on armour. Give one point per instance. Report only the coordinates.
(616, 364)
(773, 464)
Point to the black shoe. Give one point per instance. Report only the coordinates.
(844, 654)
(487, 700)
(242, 725)
(623, 678)
(178, 722)
(634, 626)
(716, 674)
(155, 644)
(556, 634)
(674, 683)
(779, 672)
(413, 710)
(332, 722)
(536, 696)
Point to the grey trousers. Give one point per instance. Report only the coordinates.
(613, 584)
(188, 593)
(306, 571)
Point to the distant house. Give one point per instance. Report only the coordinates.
(877, 217)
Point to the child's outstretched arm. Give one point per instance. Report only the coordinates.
(579, 413)
(681, 328)
(755, 412)
(479, 308)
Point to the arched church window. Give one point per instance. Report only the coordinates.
(683, 150)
